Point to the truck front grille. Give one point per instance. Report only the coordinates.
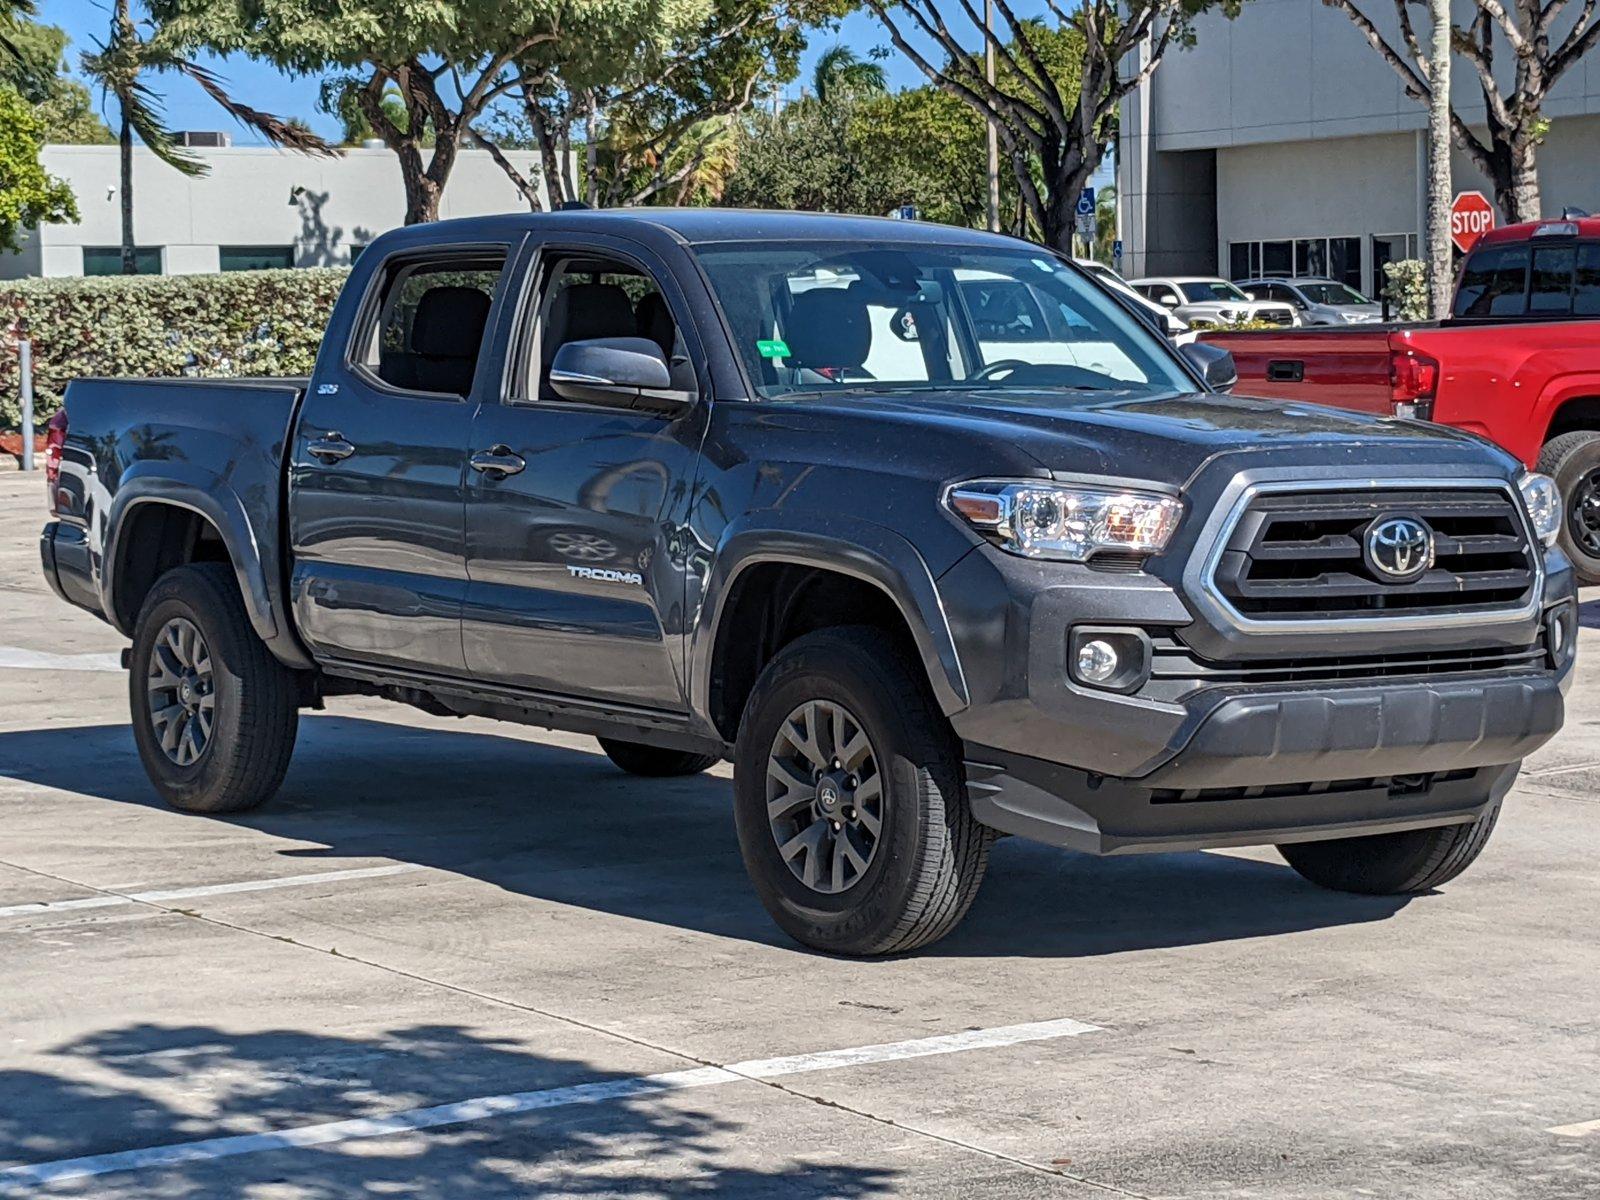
(1302, 555)
(1171, 659)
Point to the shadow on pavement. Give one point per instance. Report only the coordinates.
(568, 827)
(106, 1101)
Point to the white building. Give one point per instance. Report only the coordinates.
(1282, 142)
(257, 207)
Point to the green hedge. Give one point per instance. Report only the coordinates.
(242, 324)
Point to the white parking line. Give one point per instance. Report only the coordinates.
(1582, 1129)
(43, 660)
(210, 889)
(17, 1180)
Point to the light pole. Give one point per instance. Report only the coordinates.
(993, 134)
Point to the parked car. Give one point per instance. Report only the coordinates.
(1165, 318)
(925, 531)
(1518, 362)
(1316, 301)
(1207, 303)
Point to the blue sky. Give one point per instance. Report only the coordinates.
(261, 86)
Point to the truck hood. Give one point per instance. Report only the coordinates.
(1167, 438)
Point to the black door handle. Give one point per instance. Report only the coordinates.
(330, 449)
(498, 462)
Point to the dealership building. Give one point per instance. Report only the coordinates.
(256, 207)
(1283, 143)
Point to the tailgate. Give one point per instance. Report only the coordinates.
(1343, 368)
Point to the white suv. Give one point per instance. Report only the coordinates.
(1207, 302)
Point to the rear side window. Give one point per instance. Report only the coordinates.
(1494, 283)
(426, 330)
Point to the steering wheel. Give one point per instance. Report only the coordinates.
(990, 370)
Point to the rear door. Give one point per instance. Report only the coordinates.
(576, 527)
(377, 522)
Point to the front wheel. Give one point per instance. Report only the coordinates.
(849, 800)
(214, 714)
(1573, 461)
(1393, 864)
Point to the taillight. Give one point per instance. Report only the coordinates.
(55, 440)
(1413, 384)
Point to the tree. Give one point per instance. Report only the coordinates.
(34, 64)
(1440, 254)
(119, 67)
(29, 196)
(653, 104)
(1058, 85)
(838, 69)
(808, 156)
(1514, 114)
(449, 61)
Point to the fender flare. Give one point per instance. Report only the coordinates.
(849, 546)
(183, 485)
(1557, 393)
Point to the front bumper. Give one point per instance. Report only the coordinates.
(1187, 764)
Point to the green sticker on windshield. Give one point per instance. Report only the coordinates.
(772, 348)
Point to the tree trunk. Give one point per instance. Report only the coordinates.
(1441, 251)
(130, 260)
(422, 194)
(1517, 193)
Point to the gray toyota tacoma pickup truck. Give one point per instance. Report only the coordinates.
(931, 535)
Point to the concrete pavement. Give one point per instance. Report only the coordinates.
(454, 913)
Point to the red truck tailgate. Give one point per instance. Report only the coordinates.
(1346, 367)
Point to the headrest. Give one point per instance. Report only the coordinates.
(828, 327)
(590, 310)
(655, 321)
(449, 322)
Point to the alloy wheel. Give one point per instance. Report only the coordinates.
(825, 798)
(182, 691)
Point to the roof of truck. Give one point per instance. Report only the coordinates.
(701, 225)
(1587, 227)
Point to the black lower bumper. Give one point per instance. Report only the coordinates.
(1268, 768)
(64, 554)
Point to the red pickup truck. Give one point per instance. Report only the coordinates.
(1518, 362)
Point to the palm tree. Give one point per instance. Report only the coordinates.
(839, 72)
(117, 68)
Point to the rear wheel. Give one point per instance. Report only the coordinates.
(638, 759)
(849, 799)
(1393, 864)
(1573, 461)
(214, 714)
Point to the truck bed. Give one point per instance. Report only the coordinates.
(215, 446)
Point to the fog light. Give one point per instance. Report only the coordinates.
(1560, 634)
(1097, 661)
(1109, 657)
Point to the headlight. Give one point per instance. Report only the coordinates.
(1543, 502)
(1065, 521)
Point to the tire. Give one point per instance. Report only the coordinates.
(655, 762)
(1393, 864)
(925, 862)
(1570, 459)
(253, 698)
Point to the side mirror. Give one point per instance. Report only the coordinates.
(624, 372)
(1214, 364)
(1168, 301)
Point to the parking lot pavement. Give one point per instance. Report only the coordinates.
(457, 958)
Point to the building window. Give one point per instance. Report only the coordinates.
(255, 258)
(107, 260)
(1325, 258)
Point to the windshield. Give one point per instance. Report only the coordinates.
(1206, 291)
(1331, 293)
(820, 317)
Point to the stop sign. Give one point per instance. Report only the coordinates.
(1471, 216)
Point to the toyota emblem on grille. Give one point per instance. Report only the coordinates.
(1398, 549)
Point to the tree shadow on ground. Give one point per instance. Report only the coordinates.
(566, 826)
(147, 1086)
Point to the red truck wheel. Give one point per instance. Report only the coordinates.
(1573, 461)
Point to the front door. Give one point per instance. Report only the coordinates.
(378, 465)
(575, 511)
